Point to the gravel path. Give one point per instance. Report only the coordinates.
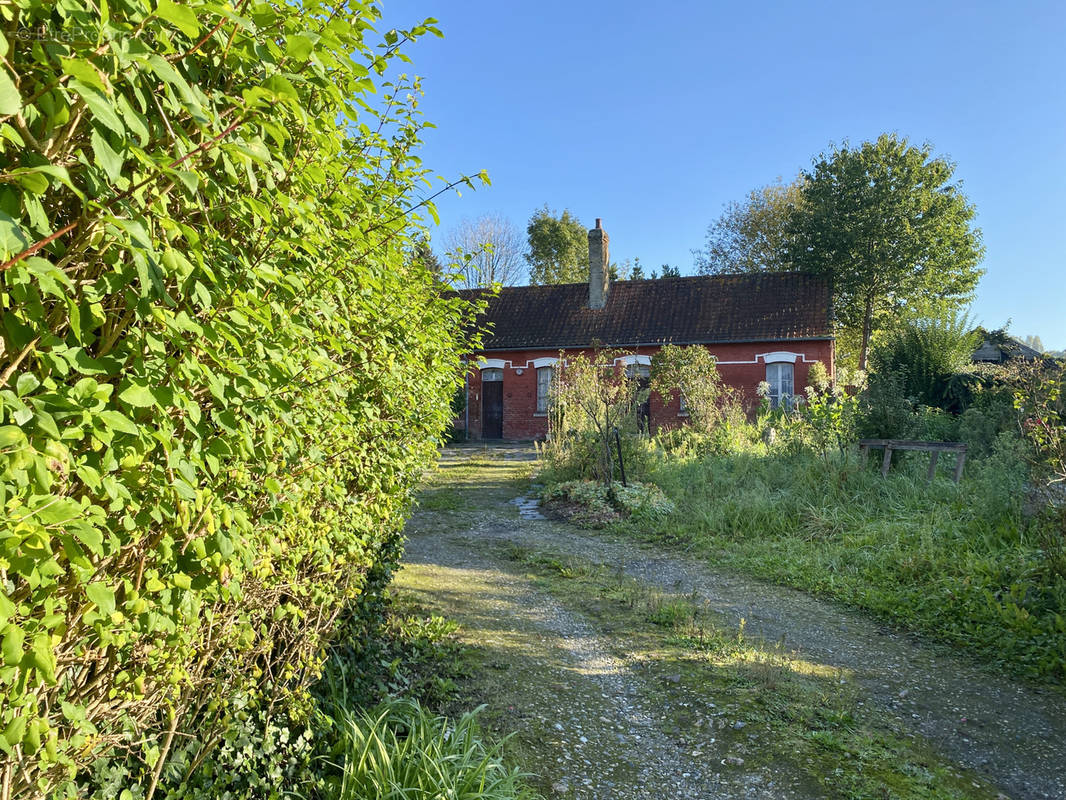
(589, 705)
(1008, 732)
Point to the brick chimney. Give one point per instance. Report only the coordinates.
(598, 260)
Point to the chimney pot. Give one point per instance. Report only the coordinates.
(599, 222)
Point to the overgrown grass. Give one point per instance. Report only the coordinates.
(379, 697)
(400, 751)
(961, 563)
(805, 720)
(958, 562)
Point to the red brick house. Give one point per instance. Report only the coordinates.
(763, 327)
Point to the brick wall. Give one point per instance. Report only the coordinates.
(520, 420)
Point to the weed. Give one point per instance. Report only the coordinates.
(401, 751)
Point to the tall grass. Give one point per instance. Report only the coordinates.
(959, 562)
(401, 752)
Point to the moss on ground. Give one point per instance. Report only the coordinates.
(798, 717)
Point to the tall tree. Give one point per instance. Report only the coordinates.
(886, 224)
(751, 235)
(488, 250)
(558, 248)
(422, 255)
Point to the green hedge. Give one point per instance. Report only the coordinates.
(220, 371)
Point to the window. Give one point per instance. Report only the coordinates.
(682, 405)
(642, 372)
(491, 375)
(544, 382)
(779, 376)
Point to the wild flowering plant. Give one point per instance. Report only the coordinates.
(1040, 399)
(593, 394)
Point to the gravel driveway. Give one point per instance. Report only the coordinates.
(1012, 734)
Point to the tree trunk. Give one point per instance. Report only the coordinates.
(867, 326)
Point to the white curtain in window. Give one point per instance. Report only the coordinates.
(779, 376)
(544, 382)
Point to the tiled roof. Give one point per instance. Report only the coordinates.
(702, 309)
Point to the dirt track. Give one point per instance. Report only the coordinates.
(1012, 736)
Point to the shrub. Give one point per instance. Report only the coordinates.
(601, 504)
(924, 354)
(1040, 399)
(692, 373)
(219, 373)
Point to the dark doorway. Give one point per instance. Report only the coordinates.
(492, 409)
(641, 373)
(644, 410)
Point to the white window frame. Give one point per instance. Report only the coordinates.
(775, 376)
(544, 399)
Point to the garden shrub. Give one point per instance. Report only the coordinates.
(599, 504)
(1040, 399)
(925, 354)
(220, 369)
(692, 373)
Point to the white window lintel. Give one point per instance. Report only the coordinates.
(779, 357)
(491, 363)
(629, 360)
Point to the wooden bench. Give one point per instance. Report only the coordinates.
(935, 448)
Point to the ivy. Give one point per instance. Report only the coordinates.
(220, 371)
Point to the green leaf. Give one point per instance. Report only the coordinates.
(137, 395)
(299, 46)
(11, 436)
(106, 157)
(49, 277)
(91, 538)
(101, 106)
(272, 485)
(182, 18)
(118, 422)
(10, 99)
(281, 86)
(26, 383)
(11, 648)
(181, 580)
(44, 657)
(84, 71)
(12, 238)
(14, 731)
(103, 596)
(90, 477)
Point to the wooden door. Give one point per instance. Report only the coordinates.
(492, 410)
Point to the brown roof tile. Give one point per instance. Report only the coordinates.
(702, 309)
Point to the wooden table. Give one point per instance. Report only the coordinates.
(935, 448)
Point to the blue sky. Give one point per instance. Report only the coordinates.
(653, 116)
